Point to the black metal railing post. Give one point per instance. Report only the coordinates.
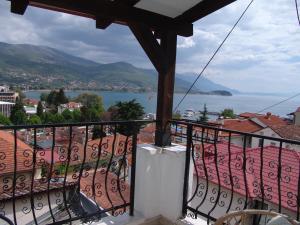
(187, 169)
(133, 171)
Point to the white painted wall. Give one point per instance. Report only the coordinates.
(159, 181)
(254, 143)
(297, 118)
(269, 132)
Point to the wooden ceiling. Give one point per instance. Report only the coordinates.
(106, 12)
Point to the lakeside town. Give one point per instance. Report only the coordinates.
(149, 112)
(66, 160)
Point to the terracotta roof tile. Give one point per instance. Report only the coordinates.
(291, 132)
(241, 125)
(290, 172)
(24, 154)
(108, 197)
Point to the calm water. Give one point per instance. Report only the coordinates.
(240, 103)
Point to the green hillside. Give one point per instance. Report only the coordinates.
(39, 67)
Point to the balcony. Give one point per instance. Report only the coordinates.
(105, 173)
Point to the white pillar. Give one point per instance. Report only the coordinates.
(160, 180)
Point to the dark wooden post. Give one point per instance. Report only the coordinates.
(163, 57)
(165, 90)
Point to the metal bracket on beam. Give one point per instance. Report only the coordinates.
(19, 6)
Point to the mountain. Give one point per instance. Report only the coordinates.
(39, 67)
(205, 84)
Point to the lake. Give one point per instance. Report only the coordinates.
(239, 103)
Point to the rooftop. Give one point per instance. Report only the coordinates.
(290, 161)
(7, 153)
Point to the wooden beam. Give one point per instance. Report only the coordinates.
(19, 6)
(150, 45)
(102, 23)
(163, 57)
(203, 9)
(115, 12)
(165, 91)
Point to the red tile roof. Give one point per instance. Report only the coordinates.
(249, 115)
(147, 134)
(268, 119)
(272, 120)
(242, 125)
(290, 172)
(109, 197)
(7, 152)
(291, 132)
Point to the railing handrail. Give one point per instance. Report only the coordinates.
(284, 140)
(18, 127)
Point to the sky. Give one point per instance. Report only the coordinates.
(262, 55)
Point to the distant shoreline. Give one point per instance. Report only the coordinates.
(133, 92)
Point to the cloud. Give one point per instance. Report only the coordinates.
(262, 54)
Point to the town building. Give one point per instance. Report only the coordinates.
(4, 88)
(30, 102)
(5, 108)
(9, 96)
(296, 116)
(70, 106)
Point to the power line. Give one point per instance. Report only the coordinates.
(297, 10)
(278, 103)
(215, 53)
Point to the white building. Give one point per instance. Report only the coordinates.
(5, 108)
(70, 106)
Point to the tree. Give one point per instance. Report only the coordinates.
(203, 117)
(18, 118)
(47, 117)
(76, 115)
(18, 114)
(44, 96)
(34, 119)
(56, 98)
(228, 113)
(50, 118)
(176, 116)
(130, 110)
(61, 98)
(58, 118)
(68, 115)
(126, 111)
(4, 120)
(91, 101)
(92, 108)
(40, 109)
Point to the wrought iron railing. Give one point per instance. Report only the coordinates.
(67, 173)
(232, 171)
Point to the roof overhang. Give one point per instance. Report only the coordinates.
(158, 15)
